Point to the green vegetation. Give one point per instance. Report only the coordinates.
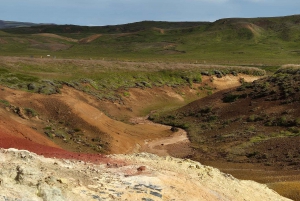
(229, 98)
(74, 138)
(285, 121)
(25, 81)
(5, 102)
(30, 112)
(105, 79)
(255, 118)
(77, 129)
(282, 85)
(260, 42)
(126, 94)
(282, 134)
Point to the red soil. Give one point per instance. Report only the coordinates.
(81, 111)
(8, 141)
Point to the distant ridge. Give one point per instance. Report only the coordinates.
(107, 29)
(13, 24)
(30, 28)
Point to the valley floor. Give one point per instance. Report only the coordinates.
(70, 124)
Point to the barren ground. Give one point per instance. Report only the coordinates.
(105, 126)
(27, 176)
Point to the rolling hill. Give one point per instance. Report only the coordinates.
(250, 41)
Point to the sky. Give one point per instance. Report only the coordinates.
(112, 12)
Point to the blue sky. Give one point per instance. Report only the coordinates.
(111, 12)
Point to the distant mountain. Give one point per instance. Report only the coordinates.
(13, 24)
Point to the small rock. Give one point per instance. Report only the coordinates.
(205, 73)
(112, 165)
(31, 86)
(141, 168)
(219, 75)
(63, 181)
(168, 158)
(50, 180)
(23, 155)
(20, 174)
(21, 113)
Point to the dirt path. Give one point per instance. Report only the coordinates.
(162, 146)
(174, 144)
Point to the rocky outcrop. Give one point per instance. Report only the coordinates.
(27, 176)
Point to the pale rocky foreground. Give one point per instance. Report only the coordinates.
(26, 176)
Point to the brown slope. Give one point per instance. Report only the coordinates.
(76, 123)
(256, 123)
(16, 133)
(13, 125)
(71, 111)
(50, 35)
(90, 38)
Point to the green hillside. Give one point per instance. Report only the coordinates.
(235, 41)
